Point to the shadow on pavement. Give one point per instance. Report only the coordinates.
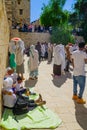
(30, 83)
(59, 80)
(81, 115)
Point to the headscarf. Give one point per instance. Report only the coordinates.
(13, 46)
(33, 59)
(8, 100)
(57, 55)
(21, 44)
(7, 83)
(57, 49)
(32, 50)
(8, 68)
(19, 53)
(63, 56)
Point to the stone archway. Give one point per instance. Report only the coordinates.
(4, 40)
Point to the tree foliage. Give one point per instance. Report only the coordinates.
(61, 35)
(52, 14)
(79, 17)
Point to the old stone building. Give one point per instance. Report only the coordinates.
(21, 11)
(18, 11)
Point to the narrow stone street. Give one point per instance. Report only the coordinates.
(58, 95)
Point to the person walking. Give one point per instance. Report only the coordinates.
(38, 48)
(63, 58)
(68, 58)
(79, 58)
(57, 61)
(50, 50)
(43, 51)
(33, 62)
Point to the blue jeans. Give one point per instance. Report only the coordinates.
(79, 80)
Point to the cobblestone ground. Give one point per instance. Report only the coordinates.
(58, 95)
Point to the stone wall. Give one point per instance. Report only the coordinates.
(21, 11)
(31, 38)
(8, 5)
(4, 39)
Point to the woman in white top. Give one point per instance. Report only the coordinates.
(9, 98)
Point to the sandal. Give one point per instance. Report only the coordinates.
(39, 99)
(41, 103)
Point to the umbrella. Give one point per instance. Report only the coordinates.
(12, 43)
(16, 39)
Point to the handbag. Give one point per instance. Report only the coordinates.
(21, 105)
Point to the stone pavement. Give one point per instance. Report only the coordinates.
(58, 95)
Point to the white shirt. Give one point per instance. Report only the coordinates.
(9, 100)
(14, 77)
(79, 63)
(19, 86)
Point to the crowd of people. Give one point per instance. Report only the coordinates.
(61, 56)
(13, 80)
(31, 28)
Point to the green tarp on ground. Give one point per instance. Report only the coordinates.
(40, 117)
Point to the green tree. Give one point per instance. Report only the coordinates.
(61, 35)
(53, 14)
(79, 17)
(76, 16)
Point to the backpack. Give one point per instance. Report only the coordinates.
(21, 105)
